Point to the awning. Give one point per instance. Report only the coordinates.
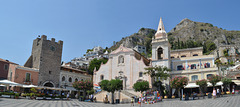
(236, 82)
(191, 85)
(7, 82)
(218, 84)
(28, 86)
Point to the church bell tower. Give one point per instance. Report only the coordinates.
(161, 47)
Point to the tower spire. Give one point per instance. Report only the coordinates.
(161, 33)
(161, 26)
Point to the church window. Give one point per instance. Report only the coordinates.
(160, 53)
(70, 79)
(120, 59)
(194, 77)
(101, 77)
(140, 74)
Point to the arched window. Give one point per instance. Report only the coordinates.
(101, 77)
(140, 74)
(183, 56)
(120, 59)
(160, 53)
(63, 78)
(209, 76)
(70, 79)
(195, 54)
(76, 79)
(194, 77)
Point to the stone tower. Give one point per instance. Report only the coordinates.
(160, 47)
(46, 56)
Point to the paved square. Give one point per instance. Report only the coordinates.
(231, 101)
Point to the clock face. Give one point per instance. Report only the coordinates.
(52, 48)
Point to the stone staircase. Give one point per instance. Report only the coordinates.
(125, 92)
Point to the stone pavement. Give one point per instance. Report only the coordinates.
(231, 101)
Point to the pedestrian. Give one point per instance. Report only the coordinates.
(214, 93)
(218, 92)
(132, 101)
(140, 101)
(67, 96)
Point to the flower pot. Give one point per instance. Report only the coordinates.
(183, 96)
(173, 96)
(228, 92)
(48, 98)
(39, 98)
(6, 96)
(165, 97)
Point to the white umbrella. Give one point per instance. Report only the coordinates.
(29, 86)
(2, 85)
(7, 82)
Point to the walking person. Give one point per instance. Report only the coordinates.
(214, 93)
(132, 101)
(218, 92)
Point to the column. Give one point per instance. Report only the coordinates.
(186, 65)
(200, 63)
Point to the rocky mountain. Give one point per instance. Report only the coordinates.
(198, 31)
(186, 34)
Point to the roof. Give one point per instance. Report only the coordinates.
(67, 67)
(7, 61)
(198, 48)
(121, 49)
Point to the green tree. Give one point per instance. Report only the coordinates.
(226, 83)
(141, 86)
(111, 86)
(202, 85)
(159, 73)
(96, 63)
(214, 79)
(83, 85)
(178, 83)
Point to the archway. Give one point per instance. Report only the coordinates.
(48, 84)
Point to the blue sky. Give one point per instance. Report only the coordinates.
(83, 24)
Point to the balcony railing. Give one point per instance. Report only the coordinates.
(26, 81)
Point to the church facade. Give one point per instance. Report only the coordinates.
(125, 64)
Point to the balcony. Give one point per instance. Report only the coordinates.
(28, 82)
(194, 70)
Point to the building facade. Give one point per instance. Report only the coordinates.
(4, 68)
(46, 56)
(125, 64)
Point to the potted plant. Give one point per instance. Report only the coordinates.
(16, 96)
(228, 92)
(173, 97)
(47, 97)
(28, 95)
(57, 98)
(39, 97)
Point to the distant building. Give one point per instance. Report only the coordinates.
(140, 49)
(228, 53)
(83, 62)
(68, 75)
